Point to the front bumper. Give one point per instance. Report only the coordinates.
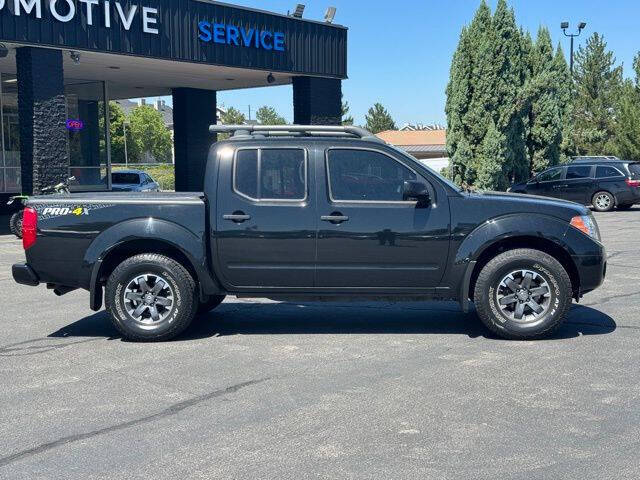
(24, 274)
(592, 270)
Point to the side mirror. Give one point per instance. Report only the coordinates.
(416, 191)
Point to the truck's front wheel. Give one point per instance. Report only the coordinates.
(522, 294)
(151, 297)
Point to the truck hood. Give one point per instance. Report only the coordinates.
(533, 204)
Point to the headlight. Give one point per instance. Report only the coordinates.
(587, 225)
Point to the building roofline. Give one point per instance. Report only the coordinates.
(267, 12)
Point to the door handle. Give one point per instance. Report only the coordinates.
(335, 218)
(560, 186)
(237, 217)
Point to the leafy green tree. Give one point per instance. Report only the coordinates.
(233, 116)
(490, 168)
(149, 134)
(346, 118)
(627, 137)
(544, 123)
(117, 119)
(379, 119)
(598, 83)
(268, 116)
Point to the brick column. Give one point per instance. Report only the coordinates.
(317, 101)
(44, 141)
(194, 110)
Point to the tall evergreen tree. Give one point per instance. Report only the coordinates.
(346, 118)
(627, 138)
(510, 74)
(492, 153)
(459, 91)
(481, 102)
(598, 83)
(545, 129)
(379, 119)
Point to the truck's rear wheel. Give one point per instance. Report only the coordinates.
(212, 302)
(151, 297)
(523, 294)
(15, 224)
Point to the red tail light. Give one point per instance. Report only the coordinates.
(29, 227)
(633, 183)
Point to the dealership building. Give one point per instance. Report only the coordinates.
(62, 61)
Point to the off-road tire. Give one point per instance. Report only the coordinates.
(486, 301)
(15, 224)
(185, 299)
(597, 207)
(212, 302)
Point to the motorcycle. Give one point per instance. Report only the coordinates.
(15, 222)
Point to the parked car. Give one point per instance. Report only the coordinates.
(133, 181)
(313, 213)
(604, 183)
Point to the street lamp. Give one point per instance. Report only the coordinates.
(125, 124)
(564, 26)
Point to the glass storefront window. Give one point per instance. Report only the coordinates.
(87, 134)
(10, 161)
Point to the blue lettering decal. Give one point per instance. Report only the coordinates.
(263, 40)
(218, 33)
(232, 35)
(205, 32)
(278, 41)
(247, 35)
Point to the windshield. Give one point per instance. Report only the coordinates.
(433, 172)
(125, 178)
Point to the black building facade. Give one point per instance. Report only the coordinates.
(61, 61)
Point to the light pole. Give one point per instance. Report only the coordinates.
(564, 26)
(126, 155)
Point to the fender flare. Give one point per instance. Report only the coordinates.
(193, 247)
(499, 229)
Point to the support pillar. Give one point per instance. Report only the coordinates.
(44, 141)
(194, 110)
(317, 101)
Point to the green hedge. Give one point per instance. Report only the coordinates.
(164, 174)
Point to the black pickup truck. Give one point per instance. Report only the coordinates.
(313, 213)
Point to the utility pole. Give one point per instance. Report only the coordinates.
(564, 26)
(126, 155)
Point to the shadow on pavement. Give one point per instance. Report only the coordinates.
(341, 319)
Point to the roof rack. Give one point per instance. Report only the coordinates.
(251, 131)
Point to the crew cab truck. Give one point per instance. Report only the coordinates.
(313, 213)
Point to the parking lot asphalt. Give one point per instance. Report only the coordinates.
(265, 390)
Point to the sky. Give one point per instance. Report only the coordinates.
(399, 53)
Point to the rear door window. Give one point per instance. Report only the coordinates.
(606, 171)
(271, 174)
(578, 172)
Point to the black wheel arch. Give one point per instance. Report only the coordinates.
(134, 237)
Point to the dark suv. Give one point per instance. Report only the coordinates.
(603, 182)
